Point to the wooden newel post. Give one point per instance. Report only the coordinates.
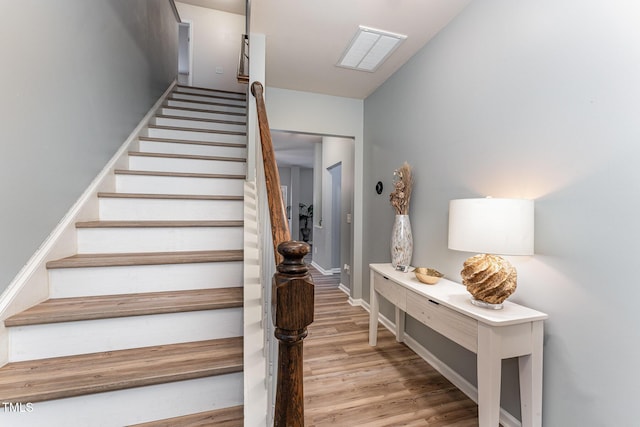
(292, 309)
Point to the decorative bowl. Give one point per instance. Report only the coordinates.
(427, 275)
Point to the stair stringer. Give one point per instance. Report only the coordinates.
(255, 384)
(30, 286)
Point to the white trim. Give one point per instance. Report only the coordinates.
(30, 285)
(506, 419)
(344, 289)
(190, 78)
(255, 363)
(359, 302)
(323, 271)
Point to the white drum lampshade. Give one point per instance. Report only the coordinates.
(491, 227)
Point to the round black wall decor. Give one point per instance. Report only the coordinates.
(379, 187)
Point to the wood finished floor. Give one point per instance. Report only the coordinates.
(348, 383)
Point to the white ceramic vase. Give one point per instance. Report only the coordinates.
(401, 241)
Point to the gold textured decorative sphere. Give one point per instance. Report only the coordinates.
(489, 278)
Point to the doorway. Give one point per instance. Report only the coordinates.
(185, 57)
(336, 209)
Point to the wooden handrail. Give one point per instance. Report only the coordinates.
(292, 293)
(279, 224)
(243, 61)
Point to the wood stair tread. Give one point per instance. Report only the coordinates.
(191, 101)
(211, 90)
(218, 131)
(204, 110)
(57, 310)
(167, 196)
(178, 174)
(199, 119)
(145, 258)
(187, 156)
(188, 141)
(225, 417)
(159, 224)
(61, 377)
(216, 96)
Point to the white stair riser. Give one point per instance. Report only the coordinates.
(166, 209)
(90, 336)
(172, 164)
(222, 100)
(153, 184)
(222, 108)
(91, 281)
(163, 121)
(195, 136)
(196, 91)
(134, 405)
(193, 149)
(158, 239)
(201, 114)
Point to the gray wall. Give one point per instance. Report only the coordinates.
(534, 99)
(335, 150)
(78, 76)
(216, 45)
(299, 182)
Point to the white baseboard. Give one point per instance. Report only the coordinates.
(359, 302)
(506, 419)
(323, 271)
(30, 286)
(344, 289)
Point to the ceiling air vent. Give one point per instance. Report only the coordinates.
(369, 48)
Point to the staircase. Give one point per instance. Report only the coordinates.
(144, 324)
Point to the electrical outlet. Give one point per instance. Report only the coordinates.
(348, 218)
(219, 70)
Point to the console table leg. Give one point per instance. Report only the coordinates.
(531, 380)
(489, 375)
(373, 315)
(400, 319)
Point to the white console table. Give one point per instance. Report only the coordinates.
(514, 331)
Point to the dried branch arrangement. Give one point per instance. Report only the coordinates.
(401, 195)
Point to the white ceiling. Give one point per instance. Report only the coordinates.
(294, 149)
(231, 6)
(306, 38)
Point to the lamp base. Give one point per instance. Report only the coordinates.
(489, 278)
(488, 305)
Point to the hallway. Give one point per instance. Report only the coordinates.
(349, 383)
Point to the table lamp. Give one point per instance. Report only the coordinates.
(492, 227)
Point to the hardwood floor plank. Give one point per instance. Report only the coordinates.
(226, 417)
(60, 377)
(201, 130)
(208, 89)
(187, 156)
(177, 174)
(58, 310)
(199, 119)
(191, 142)
(203, 110)
(349, 383)
(166, 196)
(145, 258)
(159, 223)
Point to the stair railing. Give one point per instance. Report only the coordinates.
(243, 61)
(292, 287)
